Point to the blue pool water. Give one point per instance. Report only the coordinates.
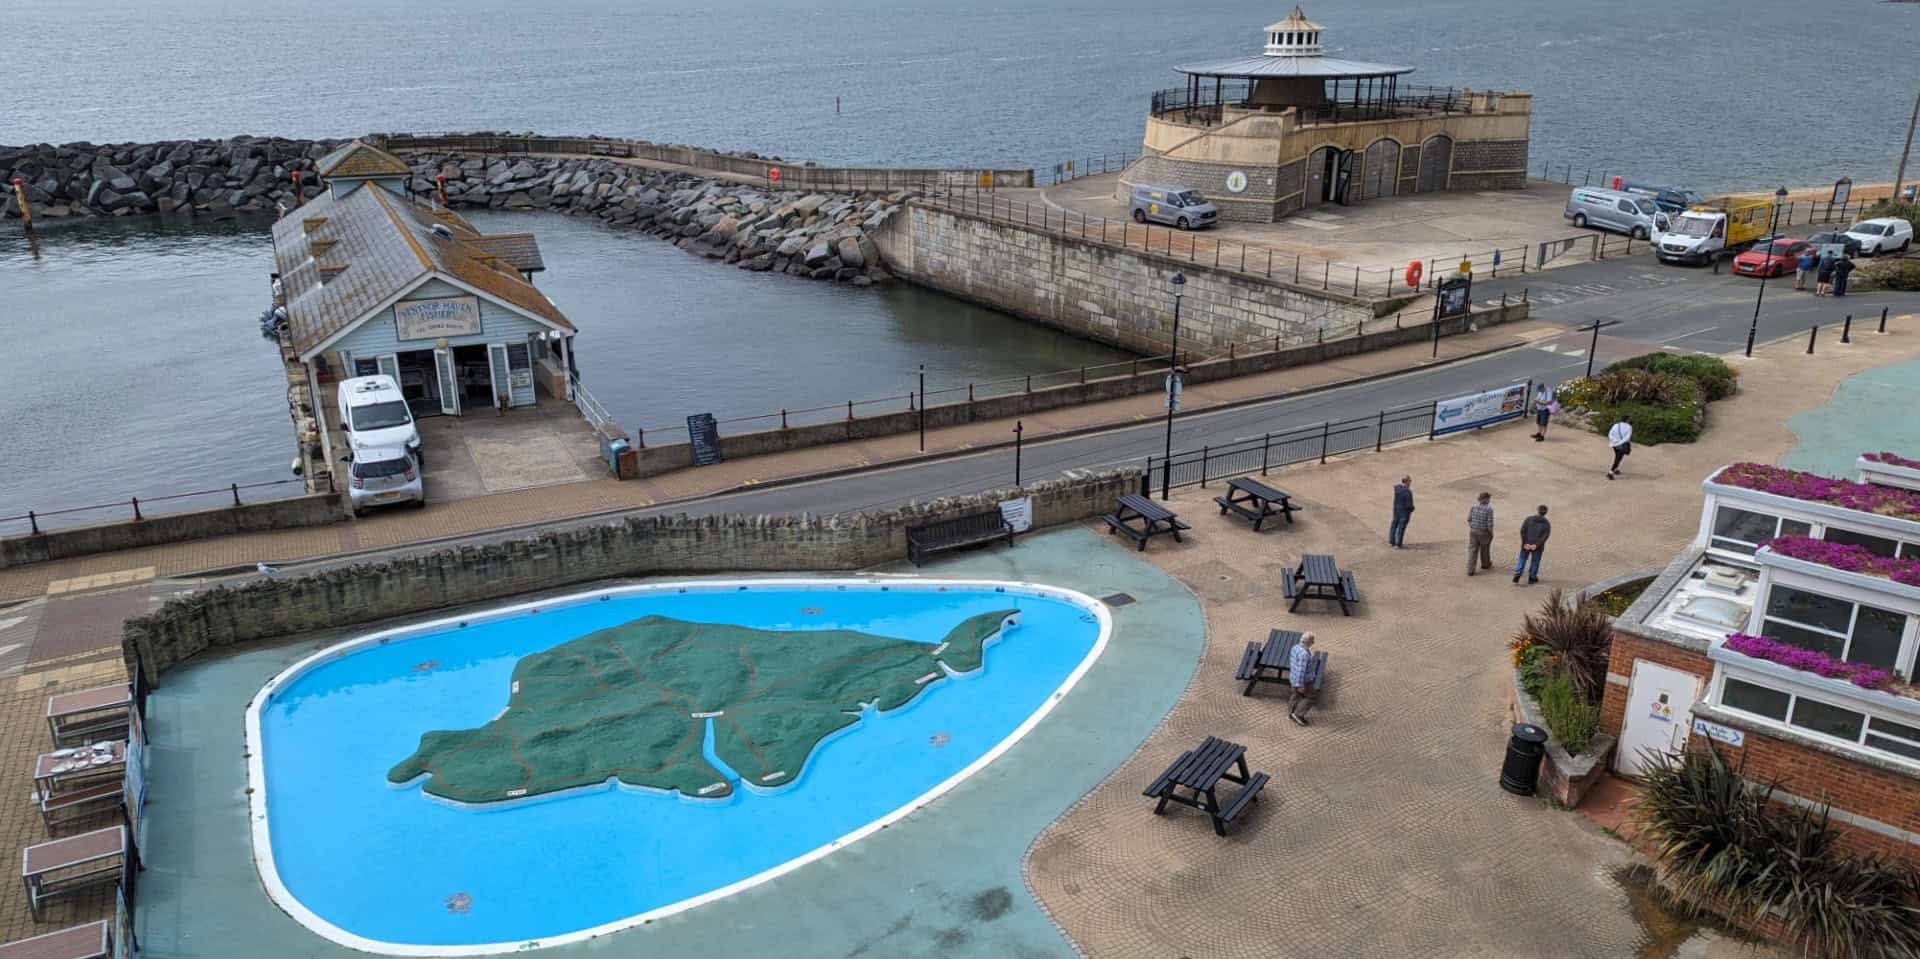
(379, 862)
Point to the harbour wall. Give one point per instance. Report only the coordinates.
(1105, 292)
(312, 509)
(437, 581)
(128, 179)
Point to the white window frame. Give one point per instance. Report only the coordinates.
(1713, 538)
(1838, 589)
(1716, 697)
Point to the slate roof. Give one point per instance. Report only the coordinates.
(384, 244)
(357, 159)
(518, 250)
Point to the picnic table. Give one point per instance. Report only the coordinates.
(93, 940)
(62, 867)
(1198, 772)
(1269, 662)
(1142, 519)
(88, 714)
(1319, 577)
(64, 769)
(1251, 499)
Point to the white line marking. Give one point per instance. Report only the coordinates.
(709, 715)
(1683, 336)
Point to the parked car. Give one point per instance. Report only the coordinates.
(1882, 235)
(374, 415)
(1172, 205)
(1671, 199)
(384, 476)
(1836, 242)
(1636, 216)
(1776, 257)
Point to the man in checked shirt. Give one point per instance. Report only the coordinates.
(1480, 534)
(1300, 676)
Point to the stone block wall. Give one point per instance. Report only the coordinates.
(313, 509)
(370, 592)
(1489, 165)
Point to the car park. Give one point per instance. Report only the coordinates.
(384, 476)
(1174, 206)
(1775, 257)
(1882, 235)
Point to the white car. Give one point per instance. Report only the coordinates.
(1882, 235)
(375, 415)
(384, 476)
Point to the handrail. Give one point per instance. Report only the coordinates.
(33, 517)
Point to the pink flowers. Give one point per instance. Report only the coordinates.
(1846, 556)
(1884, 500)
(1793, 657)
(1891, 460)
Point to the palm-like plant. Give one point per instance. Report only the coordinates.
(1579, 635)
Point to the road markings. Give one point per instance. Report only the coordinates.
(1683, 336)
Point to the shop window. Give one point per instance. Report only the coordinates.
(1742, 531)
(1828, 719)
(1758, 700)
(1877, 545)
(1836, 627)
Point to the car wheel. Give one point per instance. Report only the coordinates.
(1139, 216)
(1181, 223)
(1905, 243)
(1638, 233)
(420, 504)
(358, 512)
(1580, 220)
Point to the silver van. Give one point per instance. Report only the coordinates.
(1636, 216)
(1174, 206)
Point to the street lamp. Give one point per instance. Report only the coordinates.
(1753, 329)
(1179, 282)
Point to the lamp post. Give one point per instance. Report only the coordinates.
(1753, 329)
(1179, 282)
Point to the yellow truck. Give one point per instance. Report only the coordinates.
(1706, 231)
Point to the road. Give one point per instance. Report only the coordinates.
(1648, 306)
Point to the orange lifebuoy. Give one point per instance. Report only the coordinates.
(1413, 273)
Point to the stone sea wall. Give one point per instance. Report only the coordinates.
(823, 236)
(447, 579)
(125, 179)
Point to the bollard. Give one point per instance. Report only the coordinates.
(1883, 319)
(1846, 329)
(1296, 268)
(1029, 382)
(849, 409)
(1396, 320)
(1812, 334)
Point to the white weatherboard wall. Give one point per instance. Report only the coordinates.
(498, 324)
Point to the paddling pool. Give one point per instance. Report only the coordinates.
(398, 866)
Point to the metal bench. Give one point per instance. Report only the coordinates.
(93, 940)
(89, 714)
(971, 529)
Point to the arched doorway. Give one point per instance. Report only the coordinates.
(1319, 177)
(1381, 169)
(1436, 159)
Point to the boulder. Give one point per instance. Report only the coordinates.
(862, 280)
(818, 254)
(523, 170)
(761, 263)
(850, 253)
(821, 273)
(122, 184)
(807, 205)
(519, 200)
(109, 200)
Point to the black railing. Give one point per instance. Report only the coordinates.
(1203, 105)
(131, 508)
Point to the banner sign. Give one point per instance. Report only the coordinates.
(1479, 409)
(432, 319)
(1719, 733)
(1018, 513)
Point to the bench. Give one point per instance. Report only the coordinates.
(1268, 662)
(63, 867)
(1253, 500)
(60, 809)
(1249, 794)
(1199, 771)
(1349, 590)
(1152, 520)
(91, 941)
(971, 529)
(88, 714)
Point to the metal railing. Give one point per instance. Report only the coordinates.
(1800, 212)
(1204, 106)
(1089, 165)
(135, 507)
(590, 407)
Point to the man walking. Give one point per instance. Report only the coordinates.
(1402, 512)
(1620, 437)
(1534, 531)
(1480, 534)
(1301, 677)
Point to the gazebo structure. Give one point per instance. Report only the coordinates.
(1291, 127)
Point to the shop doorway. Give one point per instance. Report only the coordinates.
(420, 383)
(473, 372)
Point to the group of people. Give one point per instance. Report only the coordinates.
(1827, 271)
(1534, 531)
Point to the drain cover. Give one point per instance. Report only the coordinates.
(1117, 599)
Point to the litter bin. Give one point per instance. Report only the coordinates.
(610, 449)
(1521, 772)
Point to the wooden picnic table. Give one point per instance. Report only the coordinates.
(1142, 519)
(1251, 499)
(1199, 771)
(64, 768)
(1270, 662)
(1319, 577)
(64, 866)
(93, 940)
(87, 714)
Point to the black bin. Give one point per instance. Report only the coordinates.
(1520, 774)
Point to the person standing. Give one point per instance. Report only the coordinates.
(1805, 270)
(1823, 269)
(1620, 438)
(1402, 513)
(1543, 405)
(1841, 268)
(1480, 534)
(1301, 676)
(1534, 531)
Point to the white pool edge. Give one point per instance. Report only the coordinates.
(288, 903)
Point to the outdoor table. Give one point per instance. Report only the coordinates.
(1267, 662)
(1251, 499)
(91, 941)
(65, 768)
(1319, 577)
(1141, 519)
(65, 866)
(98, 713)
(1198, 772)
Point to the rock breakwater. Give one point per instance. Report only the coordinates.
(125, 179)
(824, 236)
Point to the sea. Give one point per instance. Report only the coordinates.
(132, 365)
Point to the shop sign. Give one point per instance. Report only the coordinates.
(432, 319)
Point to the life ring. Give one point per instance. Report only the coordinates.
(1413, 273)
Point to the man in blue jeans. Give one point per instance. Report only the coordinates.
(1402, 512)
(1534, 531)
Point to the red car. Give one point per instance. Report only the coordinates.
(1775, 257)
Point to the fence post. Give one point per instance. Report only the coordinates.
(1083, 376)
(1380, 431)
(1326, 426)
(1326, 275)
(33, 523)
(1029, 382)
(1269, 262)
(849, 409)
(783, 419)
(1203, 466)
(1356, 281)
(1846, 329)
(1813, 333)
(1146, 479)
(1266, 444)
(1296, 268)
(1166, 477)
(136, 500)
(1883, 319)
(236, 494)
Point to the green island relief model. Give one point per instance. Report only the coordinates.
(632, 702)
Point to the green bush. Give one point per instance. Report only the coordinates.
(1569, 717)
(1885, 274)
(1578, 640)
(1726, 846)
(1652, 425)
(1717, 379)
(1536, 664)
(1907, 210)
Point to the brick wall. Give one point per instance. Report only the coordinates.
(368, 592)
(1489, 165)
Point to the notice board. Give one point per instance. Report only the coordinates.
(703, 433)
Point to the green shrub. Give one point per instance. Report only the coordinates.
(1578, 640)
(1614, 387)
(1727, 846)
(1907, 210)
(1652, 425)
(1536, 664)
(1716, 378)
(1885, 274)
(1615, 601)
(1569, 717)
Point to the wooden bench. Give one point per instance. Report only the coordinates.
(1349, 590)
(65, 808)
(1253, 500)
(1269, 662)
(88, 714)
(1199, 771)
(1318, 577)
(91, 941)
(1141, 519)
(971, 529)
(62, 867)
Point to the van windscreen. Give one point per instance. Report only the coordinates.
(1188, 198)
(380, 416)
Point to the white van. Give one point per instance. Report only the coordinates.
(1636, 216)
(374, 415)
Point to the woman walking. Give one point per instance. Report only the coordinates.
(1620, 438)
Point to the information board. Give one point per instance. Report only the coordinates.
(1479, 409)
(1018, 513)
(703, 433)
